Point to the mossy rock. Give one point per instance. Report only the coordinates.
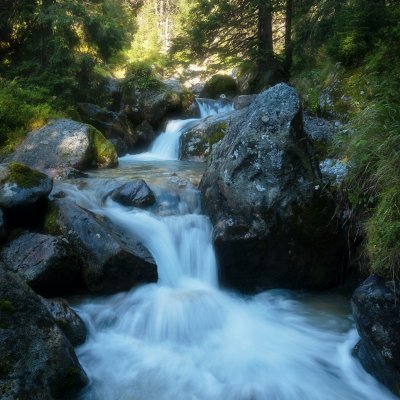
(218, 85)
(6, 306)
(23, 176)
(51, 224)
(104, 153)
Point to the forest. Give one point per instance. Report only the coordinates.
(126, 67)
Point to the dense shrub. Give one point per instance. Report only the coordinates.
(22, 109)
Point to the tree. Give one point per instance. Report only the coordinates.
(50, 41)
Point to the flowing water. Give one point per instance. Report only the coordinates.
(185, 337)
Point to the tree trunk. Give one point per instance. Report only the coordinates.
(265, 43)
(288, 37)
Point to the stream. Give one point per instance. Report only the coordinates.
(185, 337)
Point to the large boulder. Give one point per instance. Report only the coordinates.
(196, 144)
(110, 263)
(135, 193)
(21, 186)
(376, 311)
(274, 224)
(151, 105)
(67, 320)
(64, 143)
(37, 360)
(219, 85)
(113, 125)
(23, 195)
(46, 263)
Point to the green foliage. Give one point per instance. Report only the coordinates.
(383, 230)
(374, 181)
(364, 36)
(141, 76)
(22, 109)
(55, 44)
(219, 84)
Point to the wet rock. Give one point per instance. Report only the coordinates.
(46, 263)
(110, 263)
(376, 311)
(64, 143)
(21, 186)
(37, 360)
(135, 193)
(67, 320)
(273, 225)
(144, 135)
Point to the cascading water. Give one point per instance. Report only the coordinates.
(184, 338)
(209, 107)
(166, 146)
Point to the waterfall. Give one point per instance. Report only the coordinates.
(209, 107)
(166, 145)
(184, 337)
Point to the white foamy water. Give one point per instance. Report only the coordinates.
(185, 338)
(209, 107)
(166, 145)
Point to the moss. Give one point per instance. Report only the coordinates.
(219, 84)
(104, 152)
(23, 176)
(217, 134)
(6, 306)
(70, 381)
(50, 224)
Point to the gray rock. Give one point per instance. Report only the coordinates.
(67, 320)
(21, 186)
(151, 105)
(135, 193)
(273, 225)
(144, 134)
(113, 125)
(376, 311)
(243, 101)
(46, 263)
(333, 171)
(111, 263)
(37, 360)
(196, 144)
(64, 143)
(318, 129)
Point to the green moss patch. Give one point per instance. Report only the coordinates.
(6, 306)
(50, 224)
(104, 152)
(23, 176)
